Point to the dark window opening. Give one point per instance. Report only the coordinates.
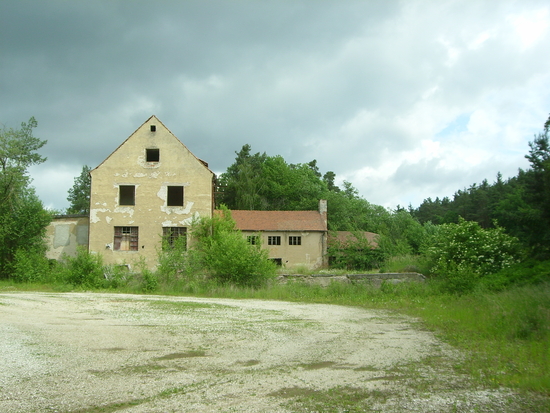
(153, 128)
(173, 236)
(126, 239)
(175, 196)
(294, 240)
(253, 239)
(278, 261)
(152, 155)
(273, 240)
(127, 195)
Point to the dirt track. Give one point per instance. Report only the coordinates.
(81, 352)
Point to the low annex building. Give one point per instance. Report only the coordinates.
(151, 187)
(293, 238)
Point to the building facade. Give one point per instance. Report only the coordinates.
(151, 186)
(292, 238)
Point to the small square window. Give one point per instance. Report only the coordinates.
(127, 195)
(294, 240)
(153, 128)
(152, 155)
(278, 261)
(273, 240)
(174, 196)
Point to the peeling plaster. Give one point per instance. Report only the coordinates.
(93, 214)
(140, 175)
(178, 210)
(125, 209)
(108, 219)
(149, 165)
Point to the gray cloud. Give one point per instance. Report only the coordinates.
(363, 87)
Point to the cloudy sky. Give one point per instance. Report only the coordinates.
(405, 99)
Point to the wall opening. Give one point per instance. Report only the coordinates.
(175, 196)
(127, 195)
(126, 239)
(153, 128)
(274, 240)
(171, 236)
(152, 155)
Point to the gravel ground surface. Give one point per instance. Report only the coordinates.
(88, 352)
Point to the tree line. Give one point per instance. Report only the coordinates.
(521, 204)
(458, 239)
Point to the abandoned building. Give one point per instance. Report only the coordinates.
(152, 187)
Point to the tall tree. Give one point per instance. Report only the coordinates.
(79, 194)
(23, 219)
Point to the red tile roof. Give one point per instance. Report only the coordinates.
(344, 237)
(279, 220)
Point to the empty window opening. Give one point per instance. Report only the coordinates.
(127, 195)
(153, 128)
(126, 239)
(174, 237)
(294, 240)
(273, 240)
(253, 239)
(174, 196)
(278, 261)
(152, 155)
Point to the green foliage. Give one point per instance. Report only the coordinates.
(524, 273)
(23, 225)
(83, 270)
(356, 253)
(226, 254)
(23, 219)
(519, 204)
(30, 266)
(79, 194)
(461, 253)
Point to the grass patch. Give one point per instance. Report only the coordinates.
(187, 354)
(338, 399)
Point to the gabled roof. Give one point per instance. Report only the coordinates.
(279, 220)
(153, 117)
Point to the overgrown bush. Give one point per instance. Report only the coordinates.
(176, 262)
(355, 253)
(85, 269)
(30, 265)
(463, 253)
(226, 254)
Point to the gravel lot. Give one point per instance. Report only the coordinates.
(87, 352)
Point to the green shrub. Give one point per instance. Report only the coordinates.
(226, 254)
(465, 250)
(356, 253)
(30, 266)
(85, 269)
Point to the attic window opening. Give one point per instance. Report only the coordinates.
(174, 196)
(127, 195)
(153, 128)
(152, 155)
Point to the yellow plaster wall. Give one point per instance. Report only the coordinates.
(311, 254)
(128, 166)
(65, 234)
